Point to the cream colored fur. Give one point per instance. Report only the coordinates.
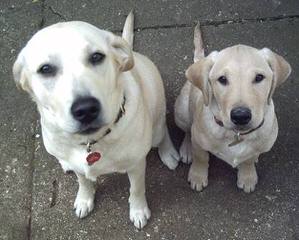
(203, 98)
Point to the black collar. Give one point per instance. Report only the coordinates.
(121, 112)
(220, 123)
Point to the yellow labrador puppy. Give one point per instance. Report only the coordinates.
(226, 108)
(102, 106)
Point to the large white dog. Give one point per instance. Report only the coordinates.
(102, 106)
(226, 108)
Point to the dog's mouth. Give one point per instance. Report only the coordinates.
(247, 128)
(89, 130)
(241, 129)
(233, 127)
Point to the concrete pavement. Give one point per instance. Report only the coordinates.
(36, 198)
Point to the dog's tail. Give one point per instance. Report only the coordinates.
(128, 31)
(199, 51)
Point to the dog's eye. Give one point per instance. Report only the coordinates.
(96, 58)
(47, 69)
(223, 80)
(259, 78)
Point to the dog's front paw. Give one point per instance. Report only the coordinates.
(139, 216)
(198, 178)
(185, 150)
(83, 204)
(247, 179)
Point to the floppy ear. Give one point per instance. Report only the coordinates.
(280, 67)
(123, 54)
(19, 74)
(198, 74)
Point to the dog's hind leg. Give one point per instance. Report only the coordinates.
(168, 154)
(183, 120)
(182, 116)
(186, 149)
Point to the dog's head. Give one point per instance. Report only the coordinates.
(238, 82)
(71, 71)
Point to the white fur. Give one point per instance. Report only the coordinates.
(122, 73)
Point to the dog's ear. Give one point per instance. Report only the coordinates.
(280, 67)
(19, 74)
(198, 74)
(123, 54)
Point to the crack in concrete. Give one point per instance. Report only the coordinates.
(54, 193)
(42, 21)
(55, 12)
(28, 227)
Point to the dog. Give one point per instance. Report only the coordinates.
(226, 108)
(102, 106)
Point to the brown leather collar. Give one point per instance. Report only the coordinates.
(220, 123)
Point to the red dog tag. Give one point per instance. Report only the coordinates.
(93, 157)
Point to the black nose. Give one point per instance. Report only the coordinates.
(240, 115)
(85, 109)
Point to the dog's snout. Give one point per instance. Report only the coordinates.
(240, 115)
(85, 109)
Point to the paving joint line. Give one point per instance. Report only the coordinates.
(29, 227)
(32, 156)
(217, 23)
(246, 20)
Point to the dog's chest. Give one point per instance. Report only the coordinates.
(224, 144)
(107, 161)
(236, 154)
(112, 156)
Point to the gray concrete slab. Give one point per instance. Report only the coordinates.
(17, 126)
(219, 212)
(106, 14)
